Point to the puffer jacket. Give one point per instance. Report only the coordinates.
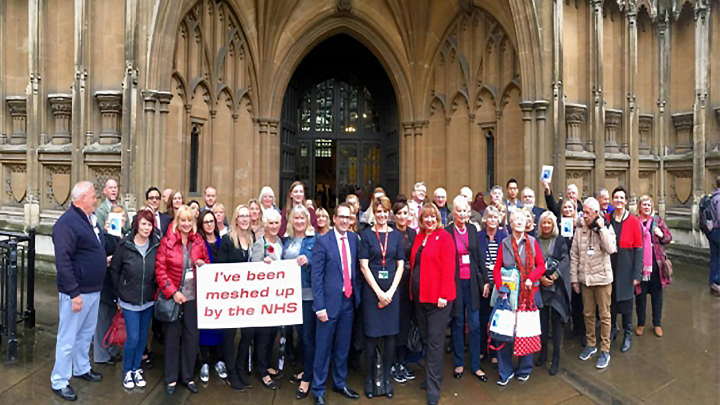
(169, 261)
(132, 275)
(596, 269)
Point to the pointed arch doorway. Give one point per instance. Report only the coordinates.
(339, 126)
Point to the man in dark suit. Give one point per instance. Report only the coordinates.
(528, 200)
(335, 297)
(152, 201)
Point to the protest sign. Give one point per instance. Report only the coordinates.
(546, 173)
(241, 295)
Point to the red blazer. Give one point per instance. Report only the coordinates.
(168, 264)
(437, 279)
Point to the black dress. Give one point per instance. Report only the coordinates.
(380, 321)
(407, 308)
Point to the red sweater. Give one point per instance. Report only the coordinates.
(437, 279)
(534, 275)
(169, 260)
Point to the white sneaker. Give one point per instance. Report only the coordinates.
(205, 373)
(221, 369)
(139, 380)
(128, 381)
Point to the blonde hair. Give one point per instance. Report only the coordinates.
(117, 209)
(574, 210)
(548, 215)
(646, 198)
(272, 215)
(184, 212)
(236, 232)
(218, 207)
(427, 209)
(309, 230)
(326, 228)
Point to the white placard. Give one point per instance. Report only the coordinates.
(546, 173)
(240, 295)
(115, 224)
(567, 226)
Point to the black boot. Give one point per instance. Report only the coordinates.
(614, 332)
(542, 357)
(555, 365)
(627, 342)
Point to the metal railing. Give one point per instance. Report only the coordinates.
(17, 286)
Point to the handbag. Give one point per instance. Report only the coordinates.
(117, 334)
(502, 320)
(527, 329)
(511, 279)
(667, 268)
(414, 341)
(166, 309)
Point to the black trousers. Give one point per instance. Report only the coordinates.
(578, 318)
(550, 318)
(485, 312)
(182, 344)
(623, 308)
(432, 322)
(229, 354)
(387, 352)
(264, 339)
(655, 289)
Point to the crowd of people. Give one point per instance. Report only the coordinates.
(390, 281)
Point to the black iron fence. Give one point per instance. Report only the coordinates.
(17, 286)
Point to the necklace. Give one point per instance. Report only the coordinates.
(463, 231)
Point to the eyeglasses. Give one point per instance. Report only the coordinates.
(208, 222)
(344, 217)
(153, 198)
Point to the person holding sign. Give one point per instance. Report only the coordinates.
(299, 246)
(236, 247)
(471, 283)
(432, 279)
(381, 260)
(334, 286)
(267, 249)
(522, 251)
(181, 252)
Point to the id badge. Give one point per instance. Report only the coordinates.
(466, 259)
(591, 251)
(383, 275)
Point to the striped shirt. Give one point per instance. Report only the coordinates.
(490, 258)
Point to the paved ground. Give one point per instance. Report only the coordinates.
(681, 368)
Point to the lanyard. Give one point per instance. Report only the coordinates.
(460, 234)
(383, 249)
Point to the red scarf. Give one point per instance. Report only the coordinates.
(524, 269)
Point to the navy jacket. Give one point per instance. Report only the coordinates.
(306, 249)
(327, 273)
(79, 256)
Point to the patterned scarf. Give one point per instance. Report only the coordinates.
(647, 249)
(524, 269)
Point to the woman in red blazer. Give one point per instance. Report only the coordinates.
(432, 281)
(182, 250)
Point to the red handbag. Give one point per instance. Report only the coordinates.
(117, 334)
(527, 329)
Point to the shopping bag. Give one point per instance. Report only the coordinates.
(502, 319)
(511, 279)
(527, 329)
(117, 334)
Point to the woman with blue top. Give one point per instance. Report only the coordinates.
(132, 271)
(382, 257)
(210, 338)
(298, 246)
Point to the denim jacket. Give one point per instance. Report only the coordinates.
(306, 249)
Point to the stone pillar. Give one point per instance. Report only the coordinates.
(702, 75)
(418, 127)
(542, 148)
(630, 142)
(407, 176)
(613, 119)
(110, 106)
(527, 110)
(558, 107)
(645, 129)
(164, 97)
(79, 95)
(574, 119)
(596, 137)
(35, 102)
(664, 55)
(61, 106)
(18, 113)
(683, 123)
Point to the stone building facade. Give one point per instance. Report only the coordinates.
(184, 93)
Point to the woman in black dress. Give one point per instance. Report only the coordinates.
(401, 373)
(381, 260)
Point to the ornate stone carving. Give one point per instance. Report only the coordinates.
(613, 120)
(99, 175)
(110, 105)
(57, 186)
(646, 133)
(647, 184)
(18, 112)
(61, 106)
(343, 6)
(681, 186)
(683, 123)
(580, 178)
(574, 119)
(15, 183)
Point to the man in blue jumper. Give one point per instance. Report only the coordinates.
(81, 265)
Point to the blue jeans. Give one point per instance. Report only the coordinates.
(505, 363)
(137, 324)
(714, 239)
(307, 340)
(458, 330)
(75, 332)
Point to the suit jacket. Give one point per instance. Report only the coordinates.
(478, 278)
(165, 221)
(327, 273)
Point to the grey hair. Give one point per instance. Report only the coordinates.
(460, 202)
(573, 186)
(439, 190)
(498, 188)
(271, 215)
(467, 190)
(592, 203)
(518, 213)
(80, 189)
(600, 191)
(420, 184)
(527, 189)
(266, 191)
(553, 218)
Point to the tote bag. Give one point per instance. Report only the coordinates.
(502, 320)
(527, 329)
(511, 279)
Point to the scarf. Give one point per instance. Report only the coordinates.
(647, 249)
(524, 269)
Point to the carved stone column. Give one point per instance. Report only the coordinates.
(18, 114)
(613, 119)
(110, 105)
(646, 134)
(164, 97)
(683, 123)
(61, 106)
(664, 56)
(527, 110)
(542, 152)
(574, 119)
(407, 176)
(700, 122)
